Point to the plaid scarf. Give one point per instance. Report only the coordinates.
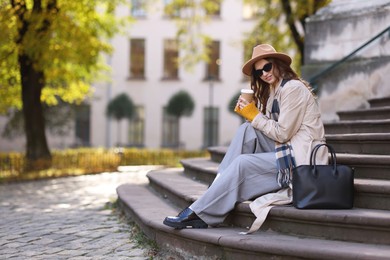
(285, 159)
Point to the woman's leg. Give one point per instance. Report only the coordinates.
(247, 140)
(247, 177)
(249, 170)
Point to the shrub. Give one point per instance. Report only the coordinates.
(71, 162)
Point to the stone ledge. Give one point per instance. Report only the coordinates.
(148, 211)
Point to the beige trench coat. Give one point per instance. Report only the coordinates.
(299, 122)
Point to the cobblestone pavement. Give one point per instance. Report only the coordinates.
(67, 218)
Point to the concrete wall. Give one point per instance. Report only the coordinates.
(332, 34)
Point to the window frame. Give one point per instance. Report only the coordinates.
(170, 68)
(210, 125)
(137, 9)
(170, 130)
(213, 69)
(136, 128)
(134, 63)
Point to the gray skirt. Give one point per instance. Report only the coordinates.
(247, 171)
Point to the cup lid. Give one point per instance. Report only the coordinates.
(247, 91)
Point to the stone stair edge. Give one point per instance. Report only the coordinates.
(364, 185)
(331, 137)
(354, 216)
(365, 218)
(365, 110)
(341, 158)
(175, 185)
(359, 136)
(373, 101)
(203, 163)
(261, 242)
(357, 122)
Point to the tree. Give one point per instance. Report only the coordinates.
(57, 120)
(119, 108)
(189, 15)
(232, 104)
(282, 24)
(179, 105)
(50, 51)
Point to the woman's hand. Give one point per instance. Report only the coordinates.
(248, 110)
(241, 102)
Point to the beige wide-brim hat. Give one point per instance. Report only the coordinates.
(263, 51)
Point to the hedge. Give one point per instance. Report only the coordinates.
(70, 162)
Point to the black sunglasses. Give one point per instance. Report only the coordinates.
(267, 68)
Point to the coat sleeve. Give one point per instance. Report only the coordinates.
(292, 106)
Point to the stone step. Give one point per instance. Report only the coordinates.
(148, 211)
(217, 153)
(358, 126)
(367, 143)
(202, 169)
(369, 193)
(379, 102)
(356, 143)
(367, 166)
(370, 224)
(366, 114)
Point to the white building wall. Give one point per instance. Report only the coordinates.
(333, 33)
(153, 92)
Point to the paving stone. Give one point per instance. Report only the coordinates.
(67, 218)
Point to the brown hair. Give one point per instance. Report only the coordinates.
(262, 89)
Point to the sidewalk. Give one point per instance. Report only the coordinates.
(66, 218)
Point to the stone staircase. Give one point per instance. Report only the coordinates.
(361, 139)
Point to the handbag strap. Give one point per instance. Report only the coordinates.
(332, 153)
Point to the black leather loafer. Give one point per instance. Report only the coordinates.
(186, 218)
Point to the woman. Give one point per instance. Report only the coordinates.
(283, 125)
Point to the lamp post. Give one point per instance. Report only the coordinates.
(211, 99)
(108, 96)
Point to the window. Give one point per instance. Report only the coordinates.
(137, 58)
(170, 10)
(171, 55)
(82, 125)
(136, 128)
(247, 54)
(214, 8)
(210, 130)
(170, 134)
(212, 67)
(138, 9)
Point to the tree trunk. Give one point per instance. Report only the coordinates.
(33, 81)
(298, 39)
(178, 133)
(118, 139)
(34, 123)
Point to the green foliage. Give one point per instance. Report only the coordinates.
(121, 107)
(180, 104)
(189, 16)
(233, 102)
(64, 39)
(81, 161)
(281, 23)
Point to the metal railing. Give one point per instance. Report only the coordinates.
(331, 67)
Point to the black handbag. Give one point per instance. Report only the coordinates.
(323, 186)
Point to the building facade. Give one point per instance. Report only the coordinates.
(144, 68)
(358, 30)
